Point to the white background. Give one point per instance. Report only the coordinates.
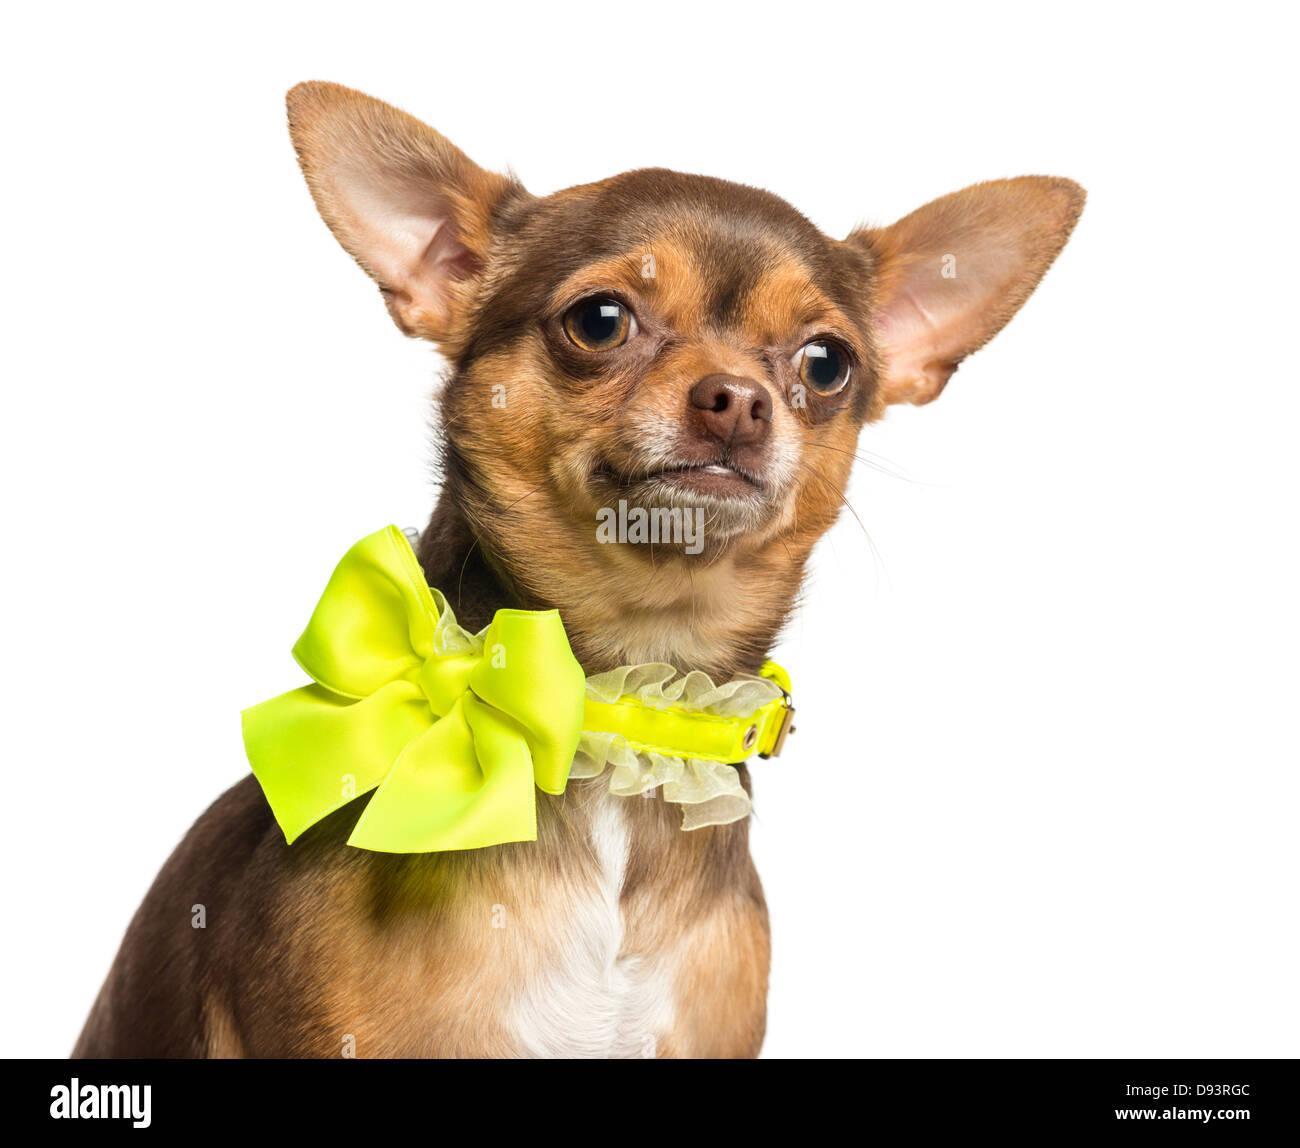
(1043, 798)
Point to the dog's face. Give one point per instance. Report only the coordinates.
(661, 342)
(667, 341)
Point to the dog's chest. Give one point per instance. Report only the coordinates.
(591, 997)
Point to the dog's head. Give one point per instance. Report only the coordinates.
(671, 352)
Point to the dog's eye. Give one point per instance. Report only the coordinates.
(823, 365)
(599, 324)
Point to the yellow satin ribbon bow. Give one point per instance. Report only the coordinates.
(452, 735)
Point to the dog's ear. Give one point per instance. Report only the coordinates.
(408, 205)
(950, 275)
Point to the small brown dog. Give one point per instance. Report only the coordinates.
(662, 340)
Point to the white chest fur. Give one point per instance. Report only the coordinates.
(592, 1000)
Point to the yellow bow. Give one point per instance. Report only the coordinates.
(454, 729)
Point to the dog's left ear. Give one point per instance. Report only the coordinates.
(952, 274)
(405, 202)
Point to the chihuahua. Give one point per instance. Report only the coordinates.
(651, 341)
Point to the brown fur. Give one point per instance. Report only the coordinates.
(309, 946)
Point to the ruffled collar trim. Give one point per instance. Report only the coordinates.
(709, 792)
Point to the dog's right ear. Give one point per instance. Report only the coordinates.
(404, 202)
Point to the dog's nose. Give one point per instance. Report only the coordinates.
(736, 411)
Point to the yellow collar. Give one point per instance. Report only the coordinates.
(665, 726)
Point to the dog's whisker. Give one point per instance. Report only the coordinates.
(873, 461)
(460, 581)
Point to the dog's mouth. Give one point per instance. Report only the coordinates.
(721, 479)
(720, 499)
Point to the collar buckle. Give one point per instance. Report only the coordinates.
(784, 730)
(785, 726)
